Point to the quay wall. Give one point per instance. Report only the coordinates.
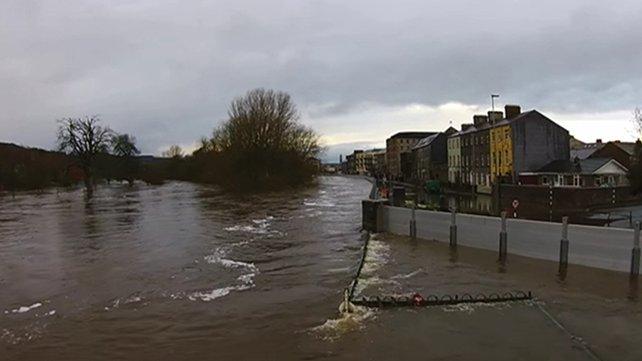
(565, 198)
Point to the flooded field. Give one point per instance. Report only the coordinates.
(185, 271)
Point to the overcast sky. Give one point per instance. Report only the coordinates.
(359, 71)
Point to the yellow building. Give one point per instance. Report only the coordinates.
(501, 151)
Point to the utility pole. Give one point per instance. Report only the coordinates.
(492, 100)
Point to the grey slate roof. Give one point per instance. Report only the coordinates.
(584, 166)
(628, 147)
(412, 135)
(426, 141)
(583, 153)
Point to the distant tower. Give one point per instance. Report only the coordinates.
(340, 158)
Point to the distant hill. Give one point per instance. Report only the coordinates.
(32, 168)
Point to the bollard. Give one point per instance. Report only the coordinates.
(413, 224)
(564, 247)
(503, 240)
(453, 228)
(635, 253)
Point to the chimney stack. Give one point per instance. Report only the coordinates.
(495, 116)
(466, 126)
(480, 119)
(512, 111)
(598, 141)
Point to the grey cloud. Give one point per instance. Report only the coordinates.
(166, 71)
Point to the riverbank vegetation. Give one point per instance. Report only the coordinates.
(261, 146)
(87, 153)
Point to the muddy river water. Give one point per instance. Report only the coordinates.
(189, 272)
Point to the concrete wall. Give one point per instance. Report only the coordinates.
(534, 201)
(606, 248)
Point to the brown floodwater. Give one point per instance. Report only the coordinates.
(184, 272)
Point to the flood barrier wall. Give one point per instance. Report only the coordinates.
(600, 247)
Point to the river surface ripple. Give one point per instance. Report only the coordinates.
(177, 271)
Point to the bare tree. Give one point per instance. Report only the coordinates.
(266, 120)
(637, 121)
(173, 152)
(263, 137)
(124, 147)
(83, 139)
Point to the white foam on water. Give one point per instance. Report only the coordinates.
(129, 300)
(249, 229)
(377, 256)
(23, 309)
(406, 276)
(238, 244)
(265, 220)
(247, 279)
(319, 204)
(374, 281)
(217, 258)
(260, 226)
(216, 293)
(133, 299)
(209, 296)
(472, 307)
(333, 329)
(230, 263)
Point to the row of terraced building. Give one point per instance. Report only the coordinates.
(499, 146)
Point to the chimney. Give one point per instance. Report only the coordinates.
(480, 120)
(598, 141)
(617, 141)
(495, 116)
(465, 126)
(512, 111)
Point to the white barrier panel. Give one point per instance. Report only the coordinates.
(396, 220)
(433, 225)
(600, 247)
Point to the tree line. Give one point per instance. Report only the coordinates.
(262, 145)
(86, 152)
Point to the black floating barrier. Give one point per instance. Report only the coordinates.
(434, 300)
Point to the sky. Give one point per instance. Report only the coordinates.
(359, 71)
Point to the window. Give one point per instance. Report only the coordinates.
(577, 182)
(544, 180)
